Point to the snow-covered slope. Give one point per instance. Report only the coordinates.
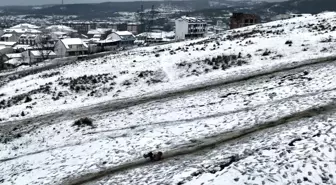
(145, 70)
(50, 151)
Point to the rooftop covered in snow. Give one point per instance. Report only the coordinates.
(72, 41)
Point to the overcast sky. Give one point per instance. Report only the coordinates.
(39, 2)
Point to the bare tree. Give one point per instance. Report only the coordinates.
(45, 45)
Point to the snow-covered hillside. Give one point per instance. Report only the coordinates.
(147, 70)
(53, 150)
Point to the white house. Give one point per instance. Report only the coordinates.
(9, 37)
(126, 38)
(71, 47)
(189, 27)
(17, 32)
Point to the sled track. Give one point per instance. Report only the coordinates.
(129, 102)
(169, 123)
(204, 143)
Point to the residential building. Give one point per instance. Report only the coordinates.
(6, 47)
(71, 47)
(134, 28)
(7, 44)
(238, 20)
(99, 33)
(29, 39)
(107, 45)
(19, 48)
(81, 27)
(35, 56)
(189, 27)
(126, 38)
(13, 59)
(8, 37)
(156, 37)
(57, 35)
(10, 56)
(17, 32)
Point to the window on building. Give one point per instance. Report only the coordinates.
(251, 21)
(246, 21)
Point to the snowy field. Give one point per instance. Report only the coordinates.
(299, 151)
(152, 69)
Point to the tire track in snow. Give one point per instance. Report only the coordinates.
(151, 97)
(204, 143)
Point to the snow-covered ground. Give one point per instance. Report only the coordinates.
(56, 150)
(152, 69)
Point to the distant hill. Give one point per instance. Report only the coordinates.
(206, 7)
(106, 9)
(300, 6)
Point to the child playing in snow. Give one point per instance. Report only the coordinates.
(153, 157)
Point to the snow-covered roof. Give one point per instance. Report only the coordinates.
(44, 52)
(190, 19)
(98, 31)
(14, 61)
(29, 36)
(157, 35)
(95, 39)
(60, 33)
(25, 47)
(60, 28)
(7, 35)
(106, 41)
(8, 43)
(72, 41)
(24, 30)
(110, 38)
(32, 36)
(14, 55)
(25, 25)
(124, 33)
